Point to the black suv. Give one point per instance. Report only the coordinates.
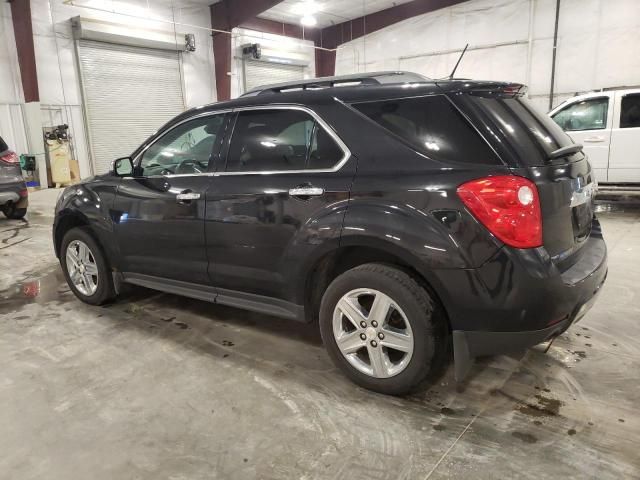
(405, 214)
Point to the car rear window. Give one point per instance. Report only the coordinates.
(531, 133)
(3, 145)
(431, 125)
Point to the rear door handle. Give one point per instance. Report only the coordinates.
(306, 191)
(594, 139)
(187, 197)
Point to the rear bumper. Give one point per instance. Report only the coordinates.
(10, 192)
(531, 303)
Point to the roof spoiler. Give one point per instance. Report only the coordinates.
(565, 151)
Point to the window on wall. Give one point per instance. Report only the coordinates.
(184, 149)
(280, 140)
(584, 115)
(630, 111)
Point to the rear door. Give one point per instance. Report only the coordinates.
(159, 212)
(283, 191)
(624, 157)
(588, 122)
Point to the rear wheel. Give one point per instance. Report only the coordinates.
(11, 211)
(85, 267)
(381, 328)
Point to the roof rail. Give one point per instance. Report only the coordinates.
(372, 78)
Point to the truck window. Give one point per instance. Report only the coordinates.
(630, 111)
(588, 114)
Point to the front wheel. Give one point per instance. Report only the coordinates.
(381, 328)
(85, 267)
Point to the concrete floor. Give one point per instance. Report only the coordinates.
(157, 386)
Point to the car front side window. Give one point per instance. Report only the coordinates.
(185, 149)
(583, 115)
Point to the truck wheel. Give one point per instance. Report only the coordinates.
(11, 211)
(381, 328)
(85, 267)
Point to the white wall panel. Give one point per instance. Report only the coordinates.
(10, 86)
(597, 44)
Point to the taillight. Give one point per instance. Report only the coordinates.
(23, 193)
(10, 157)
(508, 206)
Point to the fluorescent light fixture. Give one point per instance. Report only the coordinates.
(309, 21)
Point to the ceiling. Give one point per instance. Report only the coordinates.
(328, 12)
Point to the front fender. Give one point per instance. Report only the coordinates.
(88, 203)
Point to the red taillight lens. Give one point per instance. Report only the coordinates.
(10, 157)
(23, 193)
(508, 206)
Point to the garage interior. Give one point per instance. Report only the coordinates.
(160, 386)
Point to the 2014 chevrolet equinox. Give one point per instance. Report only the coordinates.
(406, 214)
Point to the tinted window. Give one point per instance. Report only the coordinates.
(431, 125)
(279, 140)
(630, 112)
(324, 152)
(519, 127)
(184, 149)
(3, 146)
(585, 115)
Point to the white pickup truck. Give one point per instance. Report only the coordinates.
(607, 124)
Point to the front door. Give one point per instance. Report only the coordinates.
(624, 159)
(159, 212)
(588, 122)
(283, 191)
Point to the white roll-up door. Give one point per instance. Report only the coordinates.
(129, 93)
(257, 73)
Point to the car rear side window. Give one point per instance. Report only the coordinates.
(630, 111)
(280, 140)
(432, 126)
(515, 123)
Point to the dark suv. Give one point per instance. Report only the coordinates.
(405, 214)
(14, 197)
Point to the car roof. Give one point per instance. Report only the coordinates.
(347, 88)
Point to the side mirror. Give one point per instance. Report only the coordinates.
(123, 167)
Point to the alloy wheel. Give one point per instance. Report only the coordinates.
(82, 267)
(373, 333)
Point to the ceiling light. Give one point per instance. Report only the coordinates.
(309, 21)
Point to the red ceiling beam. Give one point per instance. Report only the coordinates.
(226, 15)
(23, 33)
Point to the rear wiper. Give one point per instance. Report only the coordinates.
(565, 151)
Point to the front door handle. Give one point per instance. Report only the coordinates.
(186, 197)
(306, 191)
(596, 139)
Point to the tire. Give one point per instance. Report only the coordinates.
(102, 280)
(413, 313)
(12, 212)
